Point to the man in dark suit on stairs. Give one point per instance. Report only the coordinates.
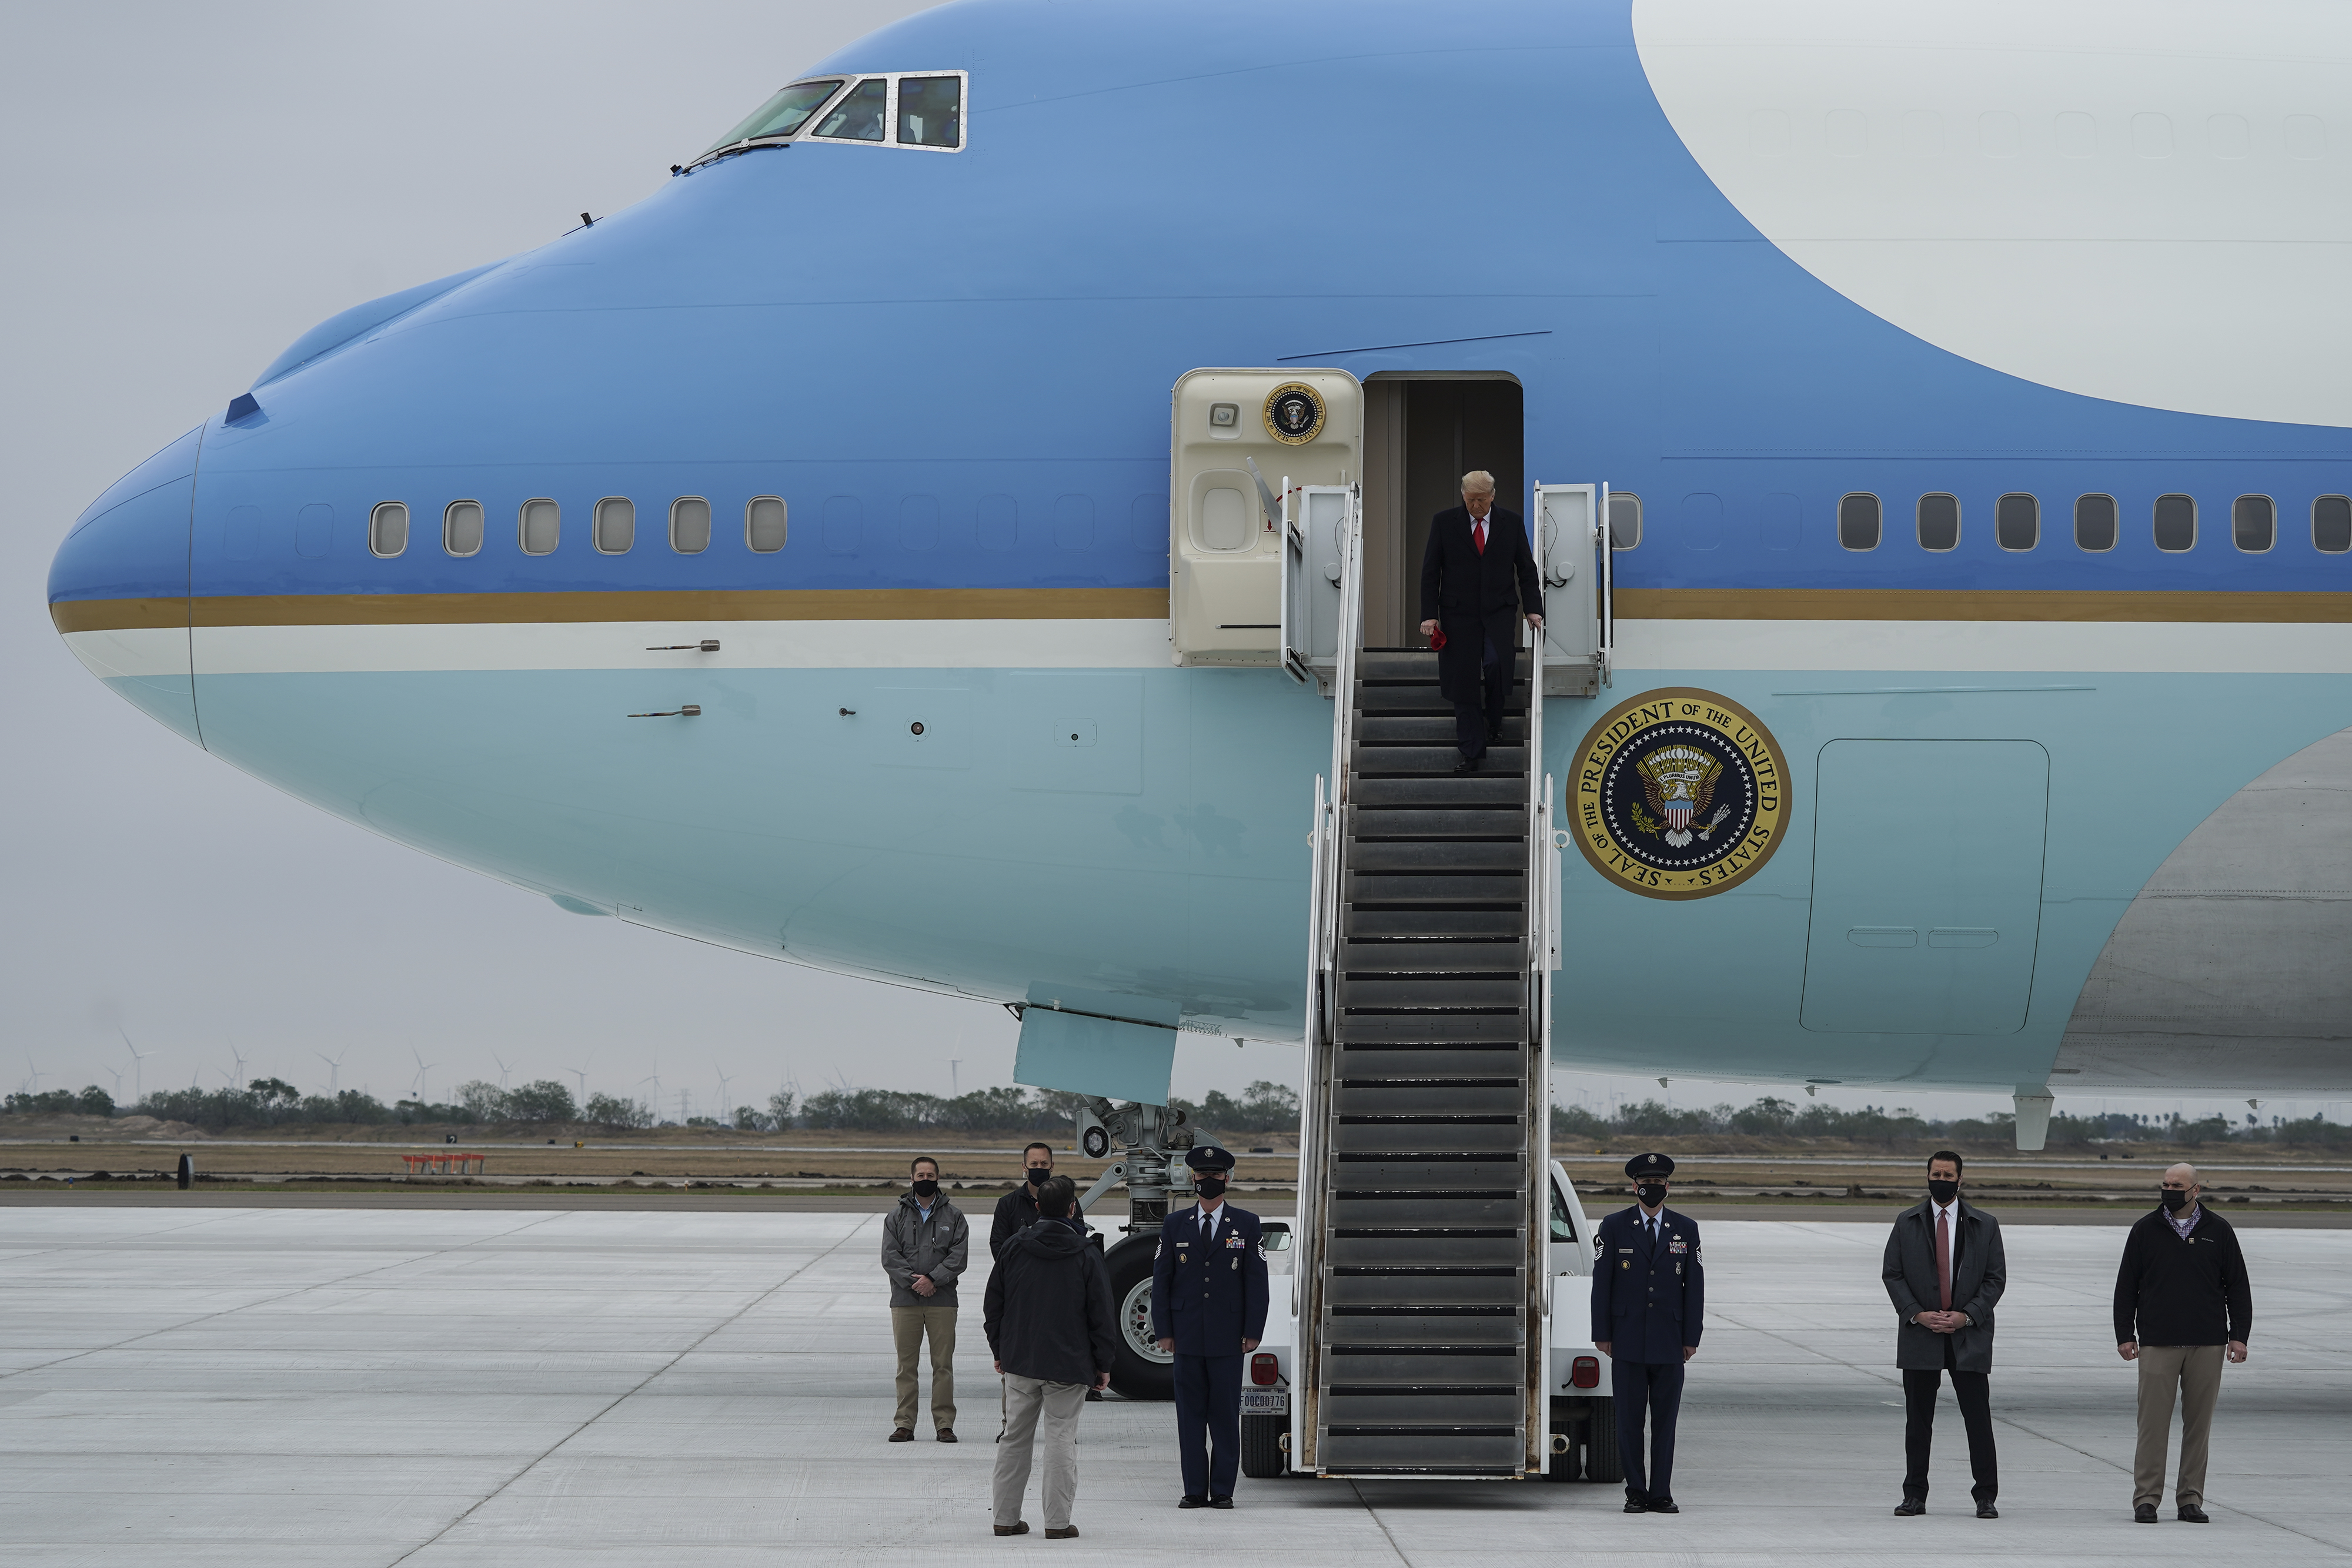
(1476, 576)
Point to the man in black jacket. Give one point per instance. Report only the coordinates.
(1048, 1319)
(1945, 1270)
(1477, 575)
(2182, 1303)
(1017, 1210)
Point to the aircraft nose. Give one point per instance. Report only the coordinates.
(119, 586)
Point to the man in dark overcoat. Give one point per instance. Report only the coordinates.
(1943, 1271)
(1476, 576)
(1649, 1306)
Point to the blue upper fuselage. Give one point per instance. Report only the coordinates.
(1147, 188)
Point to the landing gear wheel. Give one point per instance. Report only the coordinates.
(1262, 1456)
(1602, 1462)
(1143, 1370)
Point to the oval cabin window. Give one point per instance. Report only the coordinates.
(1858, 521)
(764, 525)
(461, 528)
(388, 529)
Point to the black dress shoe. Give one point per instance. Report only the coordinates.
(947, 1434)
(2143, 1513)
(902, 1434)
(1470, 764)
(1637, 1505)
(2191, 1514)
(1664, 1505)
(1911, 1508)
(1987, 1510)
(1220, 1503)
(1188, 1501)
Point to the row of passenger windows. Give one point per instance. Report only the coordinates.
(2172, 522)
(539, 526)
(2017, 522)
(913, 111)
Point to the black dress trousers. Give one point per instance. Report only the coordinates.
(1480, 712)
(1973, 1390)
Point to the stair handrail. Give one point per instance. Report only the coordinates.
(1330, 878)
(1538, 1093)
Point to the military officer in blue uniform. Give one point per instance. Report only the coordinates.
(1649, 1292)
(1208, 1310)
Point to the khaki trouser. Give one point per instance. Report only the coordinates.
(2194, 1372)
(908, 1327)
(1038, 1411)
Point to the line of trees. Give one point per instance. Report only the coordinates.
(1772, 1117)
(273, 1102)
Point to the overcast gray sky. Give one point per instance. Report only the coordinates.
(187, 189)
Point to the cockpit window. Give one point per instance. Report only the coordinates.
(783, 114)
(930, 112)
(859, 116)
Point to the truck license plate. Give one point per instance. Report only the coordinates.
(1265, 1401)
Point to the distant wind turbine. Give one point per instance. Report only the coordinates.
(138, 1061)
(505, 1070)
(334, 1070)
(653, 1078)
(423, 1067)
(726, 1106)
(32, 1076)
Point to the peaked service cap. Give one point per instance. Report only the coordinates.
(1208, 1157)
(1642, 1166)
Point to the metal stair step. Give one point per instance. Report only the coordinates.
(1427, 729)
(1424, 956)
(1505, 760)
(1422, 1030)
(1432, 824)
(1431, 1097)
(1457, 789)
(1435, 888)
(1436, 855)
(1508, 924)
(1448, 993)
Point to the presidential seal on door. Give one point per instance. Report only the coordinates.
(1294, 413)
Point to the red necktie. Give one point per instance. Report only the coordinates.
(1478, 535)
(1944, 1255)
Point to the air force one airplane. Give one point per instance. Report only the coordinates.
(958, 566)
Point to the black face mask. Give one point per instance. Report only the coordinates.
(1652, 1193)
(1037, 1175)
(1209, 1186)
(2175, 1199)
(926, 1188)
(1942, 1191)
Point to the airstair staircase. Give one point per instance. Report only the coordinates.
(1421, 1231)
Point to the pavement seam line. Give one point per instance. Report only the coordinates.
(1374, 1514)
(639, 1387)
(269, 1300)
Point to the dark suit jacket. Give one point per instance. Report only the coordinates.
(1648, 1302)
(1476, 596)
(1979, 1274)
(1209, 1296)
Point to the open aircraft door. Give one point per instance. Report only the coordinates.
(1319, 529)
(1234, 435)
(1572, 554)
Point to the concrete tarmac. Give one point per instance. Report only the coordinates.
(282, 1386)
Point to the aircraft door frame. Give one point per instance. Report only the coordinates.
(1317, 522)
(1572, 557)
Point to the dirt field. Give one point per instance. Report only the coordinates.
(61, 1148)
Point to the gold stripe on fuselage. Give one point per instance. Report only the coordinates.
(712, 604)
(1976, 604)
(1151, 604)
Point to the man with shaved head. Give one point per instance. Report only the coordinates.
(2182, 1304)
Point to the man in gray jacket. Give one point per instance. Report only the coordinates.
(1945, 1269)
(925, 1245)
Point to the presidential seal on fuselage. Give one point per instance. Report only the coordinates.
(1678, 793)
